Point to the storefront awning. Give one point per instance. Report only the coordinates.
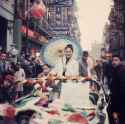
(37, 37)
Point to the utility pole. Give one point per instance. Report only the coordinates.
(17, 26)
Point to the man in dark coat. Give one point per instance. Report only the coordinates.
(83, 65)
(98, 69)
(107, 70)
(118, 90)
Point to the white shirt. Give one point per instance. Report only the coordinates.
(20, 75)
(72, 67)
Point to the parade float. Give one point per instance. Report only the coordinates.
(81, 100)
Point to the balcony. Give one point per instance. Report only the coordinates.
(58, 2)
(7, 5)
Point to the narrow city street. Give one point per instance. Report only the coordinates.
(62, 62)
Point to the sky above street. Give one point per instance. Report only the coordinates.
(92, 16)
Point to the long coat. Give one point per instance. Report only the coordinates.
(71, 68)
(118, 89)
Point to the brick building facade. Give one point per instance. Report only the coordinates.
(115, 30)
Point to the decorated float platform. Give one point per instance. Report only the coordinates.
(76, 105)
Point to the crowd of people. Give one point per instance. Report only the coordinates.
(13, 73)
(109, 70)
